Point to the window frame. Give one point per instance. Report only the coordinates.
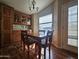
(45, 22)
(68, 6)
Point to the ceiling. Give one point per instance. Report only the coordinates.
(22, 5)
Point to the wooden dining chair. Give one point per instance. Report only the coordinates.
(23, 38)
(46, 42)
(27, 41)
(42, 32)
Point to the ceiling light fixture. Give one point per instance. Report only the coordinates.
(32, 5)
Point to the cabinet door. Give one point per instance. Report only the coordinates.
(7, 19)
(6, 23)
(6, 38)
(7, 11)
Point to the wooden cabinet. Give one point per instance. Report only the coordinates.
(17, 36)
(8, 18)
(6, 21)
(23, 20)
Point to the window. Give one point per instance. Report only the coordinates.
(45, 23)
(72, 25)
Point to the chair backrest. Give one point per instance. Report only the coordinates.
(23, 35)
(27, 39)
(42, 32)
(49, 37)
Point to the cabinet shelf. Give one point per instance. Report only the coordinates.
(21, 20)
(17, 23)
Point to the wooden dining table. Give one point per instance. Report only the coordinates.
(34, 39)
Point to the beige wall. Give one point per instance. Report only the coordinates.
(57, 24)
(55, 35)
(55, 6)
(35, 24)
(46, 11)
(59, 31)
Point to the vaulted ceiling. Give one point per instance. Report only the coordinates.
(22, 5)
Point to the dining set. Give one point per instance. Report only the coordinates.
(36, 43)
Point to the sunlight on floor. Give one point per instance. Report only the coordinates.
(47, 53)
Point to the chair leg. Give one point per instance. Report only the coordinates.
(24, 47)
(49, 52)
(28, 51)
(39, 52)
(44, 53)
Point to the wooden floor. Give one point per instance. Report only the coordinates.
(60, 54)
(14, 53)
